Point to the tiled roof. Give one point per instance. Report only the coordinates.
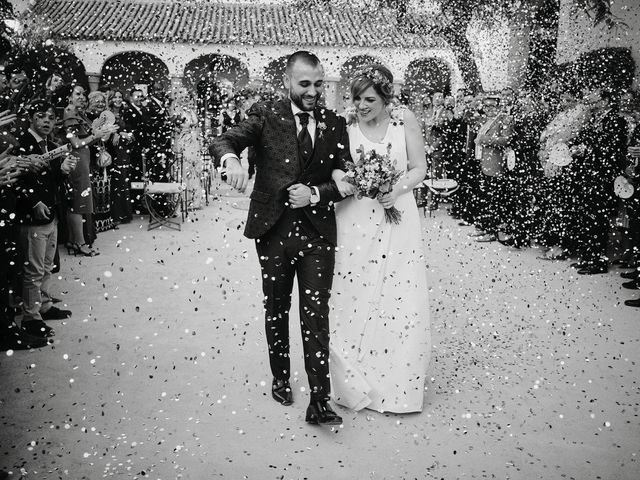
(226, 23)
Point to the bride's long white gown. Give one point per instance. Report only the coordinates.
(380, 338)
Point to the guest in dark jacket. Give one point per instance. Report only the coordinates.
(119, 147)
(134, 119)
(160, 132)
(600, 151)
(38, 195)
(11, 336)
(632, 173)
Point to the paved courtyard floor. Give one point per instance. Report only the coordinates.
(162, 371)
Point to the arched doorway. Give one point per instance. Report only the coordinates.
(210, 78)
(220, 68)
(125, 70)
(425, 76)
(347, 71)
(41, 62)
(273, 73)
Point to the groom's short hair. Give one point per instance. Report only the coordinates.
(302, 56)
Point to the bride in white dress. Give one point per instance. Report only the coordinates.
(380, 338)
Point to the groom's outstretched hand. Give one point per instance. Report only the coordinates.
(237, 176)
(299, 195)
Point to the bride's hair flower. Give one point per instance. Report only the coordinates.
(375, 75)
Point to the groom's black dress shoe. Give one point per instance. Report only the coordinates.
(281, 392)
(320, 412)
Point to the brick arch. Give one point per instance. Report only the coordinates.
(125, 69)
(274, 71)
(426, 75)
(224, 68)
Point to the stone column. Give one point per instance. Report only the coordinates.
(519, 46)
(176, 83)
(94, 81)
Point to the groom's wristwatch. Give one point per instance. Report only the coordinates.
(315, 196)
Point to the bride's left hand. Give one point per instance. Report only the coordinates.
(388, 200)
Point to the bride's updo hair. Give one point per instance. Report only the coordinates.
(377, 76)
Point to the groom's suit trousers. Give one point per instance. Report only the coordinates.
(309, 256)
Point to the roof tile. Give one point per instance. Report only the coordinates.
(227, 23)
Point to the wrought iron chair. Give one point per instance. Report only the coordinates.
(163, 199)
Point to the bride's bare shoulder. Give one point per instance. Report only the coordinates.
(403, 114)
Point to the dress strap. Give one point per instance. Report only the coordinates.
(397, 113)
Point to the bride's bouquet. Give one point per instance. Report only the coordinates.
(373, 175)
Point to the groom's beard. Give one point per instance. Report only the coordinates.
(298, 100)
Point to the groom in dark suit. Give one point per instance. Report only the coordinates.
(292, 220)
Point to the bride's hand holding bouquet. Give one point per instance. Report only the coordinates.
(374, 176)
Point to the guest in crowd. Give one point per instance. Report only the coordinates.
(12, 337)
(436, 127)
(135, 119)
(230, 116)
(249, 101)
(556, 199)
(467, 198)
(159, 134)
(494, 135)
(100, 168)
(119, 146)
(80, 136)
(38, 195)
(632, 203)
(458, 165)
(630, 112)
(16, 99)
(600, 150)
(523, 173)
(53, 91)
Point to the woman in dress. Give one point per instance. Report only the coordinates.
(380, 343)
(187, 141)
(80, 135)
(100, 167)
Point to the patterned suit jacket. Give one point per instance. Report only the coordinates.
(271, 129)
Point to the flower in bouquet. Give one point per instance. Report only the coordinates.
(373, 175)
